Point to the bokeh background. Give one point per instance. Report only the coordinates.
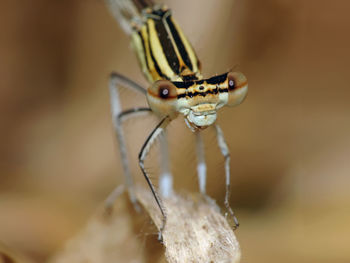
(289, 141)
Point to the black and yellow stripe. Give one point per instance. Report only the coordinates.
(202, 87)
(163, 50)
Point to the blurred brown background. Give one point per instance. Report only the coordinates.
(289, 140)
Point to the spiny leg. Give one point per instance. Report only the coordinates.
(118, 79)
(123, 152)
(225, 152)
(201, 166)
(117, 115)
(165, 179)
(143, 153)
(118, 118)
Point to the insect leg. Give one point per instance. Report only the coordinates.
(117, 116)
(118, 123)
(225, 152)
(165, 179)
(142, 155)
(201, 166)
(117, 79)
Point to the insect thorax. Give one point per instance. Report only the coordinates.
(162, 49)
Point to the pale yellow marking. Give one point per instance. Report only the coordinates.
(205, 107)
(152, 70)
(138, 47)
(158, 52)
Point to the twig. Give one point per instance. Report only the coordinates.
(195, 232)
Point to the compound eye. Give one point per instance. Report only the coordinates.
(162, 98)
(163, 92)
(237, 88)
(232, 82)
(165, 89)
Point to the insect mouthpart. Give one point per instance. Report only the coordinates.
(202, 115)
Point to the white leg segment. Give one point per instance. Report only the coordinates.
(201, 166)
(166, 179)
(225, 152)
(166, 185)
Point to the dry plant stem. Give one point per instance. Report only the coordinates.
(195, 232)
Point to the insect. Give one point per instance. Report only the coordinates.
(177, 88)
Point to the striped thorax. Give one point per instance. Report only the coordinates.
(169, 62)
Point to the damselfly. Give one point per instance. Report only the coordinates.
(176, 88)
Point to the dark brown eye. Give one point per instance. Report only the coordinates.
(162, 98)
(231, 81)
(164, 92)
(164, 89)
